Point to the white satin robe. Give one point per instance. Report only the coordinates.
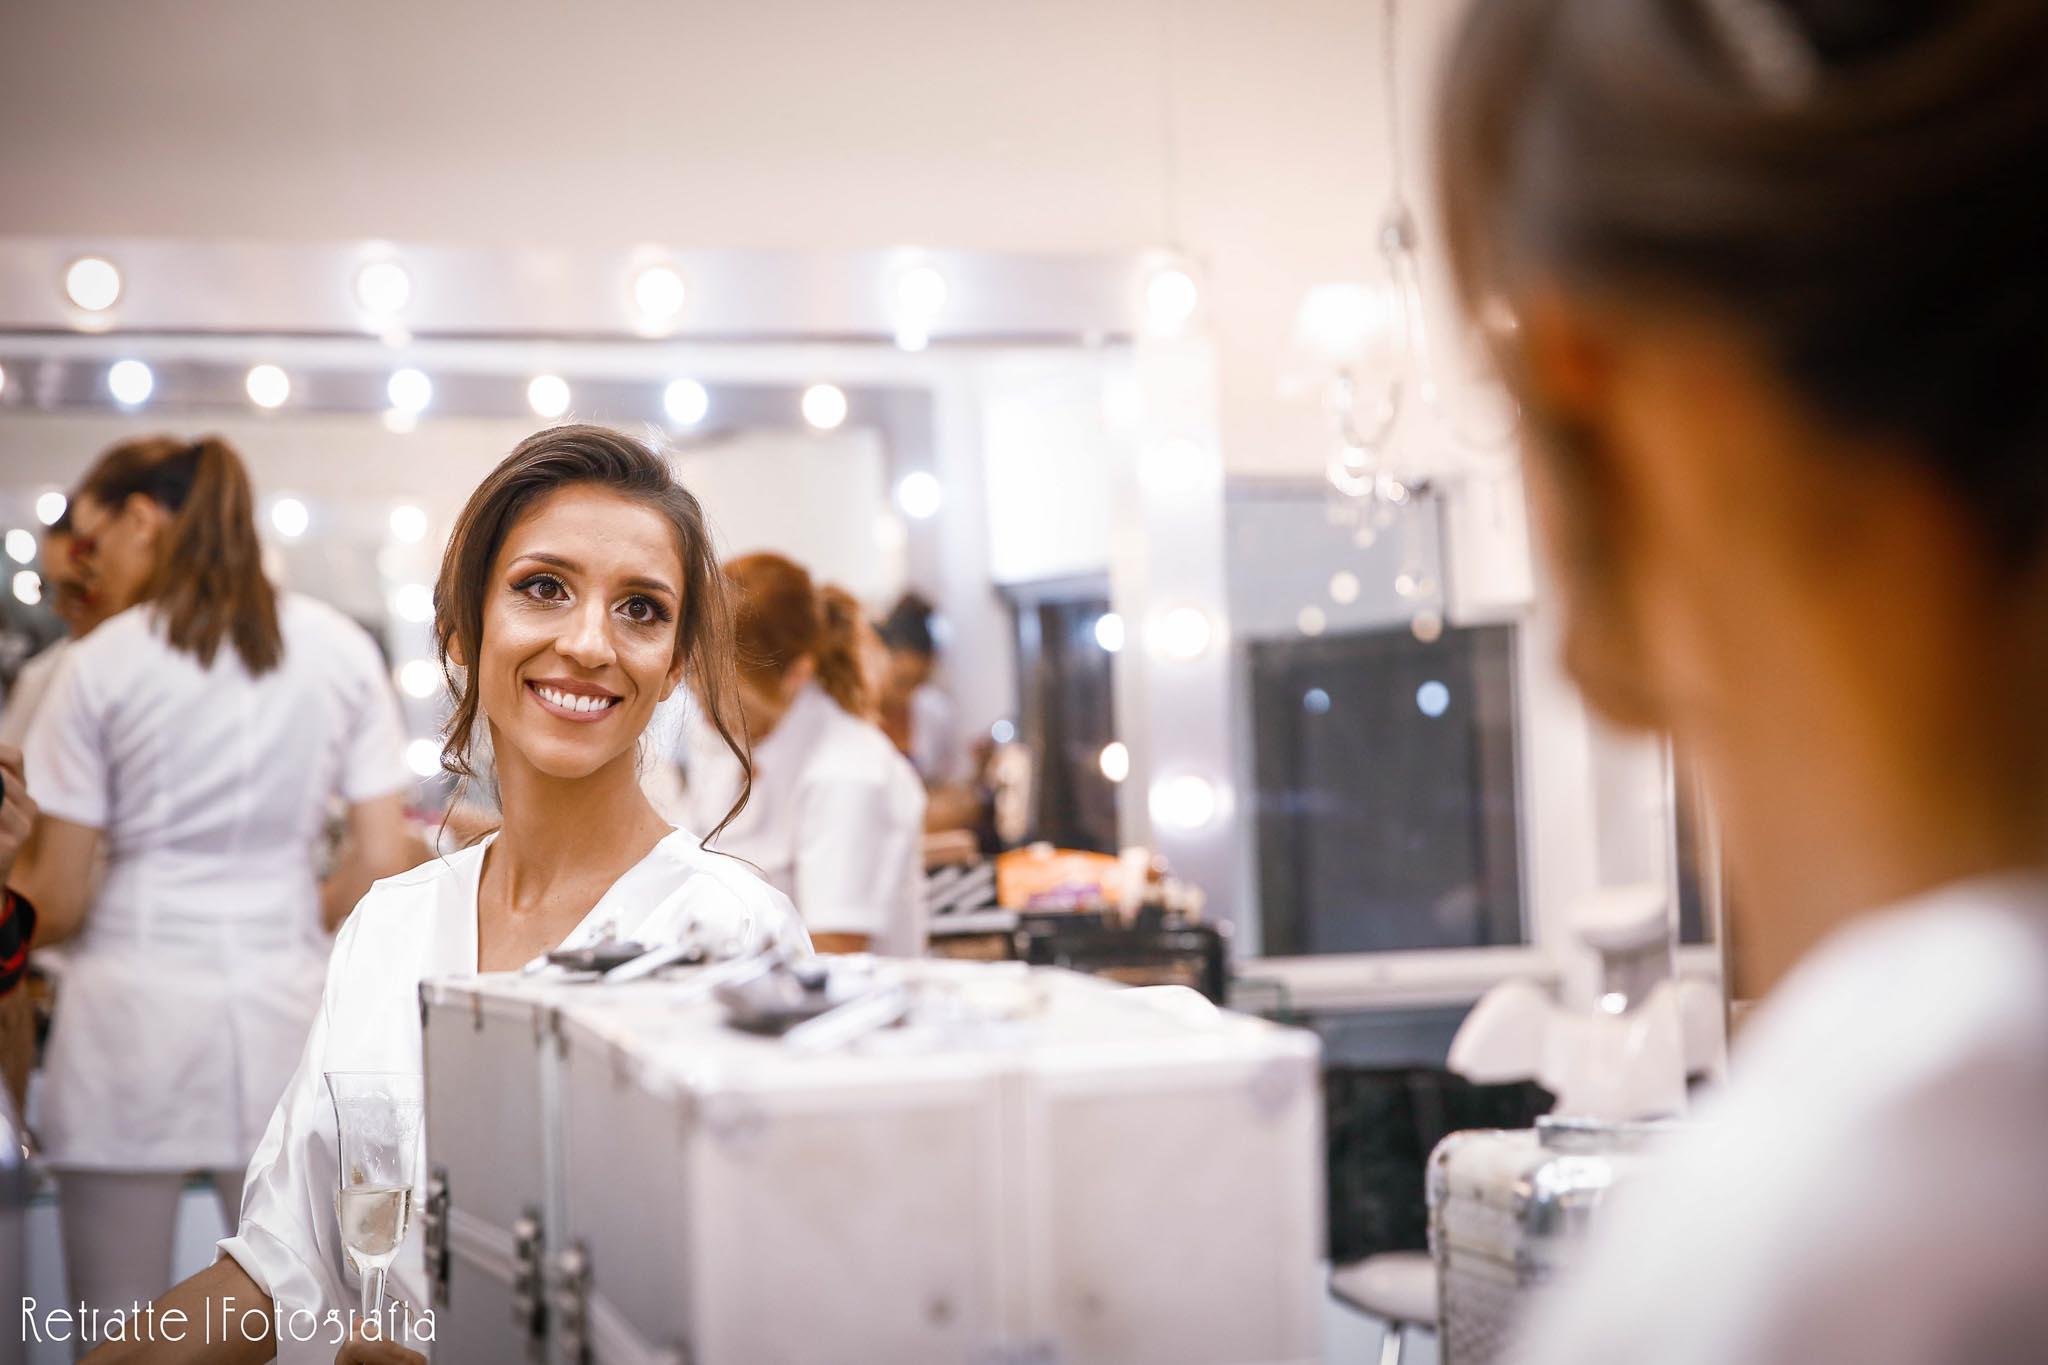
(410, 927)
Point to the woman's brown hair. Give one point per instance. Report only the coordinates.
(1857, 184)
(544, 463)
(208, 586)
(780, 616)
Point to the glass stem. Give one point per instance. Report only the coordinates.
(373, 1297)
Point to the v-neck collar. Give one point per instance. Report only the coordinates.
(612, 912)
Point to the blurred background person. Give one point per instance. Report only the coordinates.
(72, 602)
(916, 714)
(195, 737)
(920, 718)
(1780, 301)
(836, 817)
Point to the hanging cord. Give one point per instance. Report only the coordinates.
(1169, 125)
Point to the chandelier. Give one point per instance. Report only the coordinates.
(1405, 420)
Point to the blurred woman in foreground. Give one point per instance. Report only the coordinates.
(1767, 276)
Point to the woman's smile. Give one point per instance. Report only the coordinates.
(568, 700)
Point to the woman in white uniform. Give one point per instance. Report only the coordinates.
(836, 816)
(1768, 278)
(196, 739)
(578, 588)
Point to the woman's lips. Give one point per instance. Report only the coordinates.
(566, 705)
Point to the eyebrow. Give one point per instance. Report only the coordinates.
(571, 566)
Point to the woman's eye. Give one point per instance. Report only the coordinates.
(543, 588)
(641, 611)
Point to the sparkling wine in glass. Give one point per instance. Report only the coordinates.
(377, 1123)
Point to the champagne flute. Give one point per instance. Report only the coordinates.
(377, 1125)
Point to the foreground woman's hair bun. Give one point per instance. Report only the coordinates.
(1857, 183)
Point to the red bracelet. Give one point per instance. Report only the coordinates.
(17, 913)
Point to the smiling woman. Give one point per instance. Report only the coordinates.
(577, 591)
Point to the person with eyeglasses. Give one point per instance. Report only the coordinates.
(189, 746)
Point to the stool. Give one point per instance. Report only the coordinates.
(1397, 1288)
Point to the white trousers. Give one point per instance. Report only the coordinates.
(120, 1231)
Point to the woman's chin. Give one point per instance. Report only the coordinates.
(567, 761)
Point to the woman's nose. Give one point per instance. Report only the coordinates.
(586, 638)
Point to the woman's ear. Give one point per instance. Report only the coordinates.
(456, 654)
(1564, 357)
(672, 680)
(800, 673)
(145, 514)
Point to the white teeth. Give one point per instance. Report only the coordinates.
(569, 701)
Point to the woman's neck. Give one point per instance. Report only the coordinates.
(1916, 759)
(560, 832)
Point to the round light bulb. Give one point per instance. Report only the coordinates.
(1186, 802)
(1316, 702)
(1109, 632)
(1114, 760)
(1344, 587)
(21, 546)
(1432, 699)
(408, 523)
(1428, 627)
(548, 395)
(92, 283)
(28, 587)
(409, 391)
(1182, 633)
(1404, 584)
(50, 506)
(383, 287)
(268, 386)
(920, 293)
(919, 495)
(414, 602)
(423, 756)
(1310, 620)
(130, 381)
(686, 402)
(289, 516)
(1002, 732)
(824, 406)
(1171, 297)
(419, 678)
(659, 292)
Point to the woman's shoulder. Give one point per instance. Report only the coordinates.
(850, 749)
(308, 622)
(408, 900)
(115, 638)
(700, 885)
(688, 863)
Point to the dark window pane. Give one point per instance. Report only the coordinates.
(1066, 689)
(1386, 802)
